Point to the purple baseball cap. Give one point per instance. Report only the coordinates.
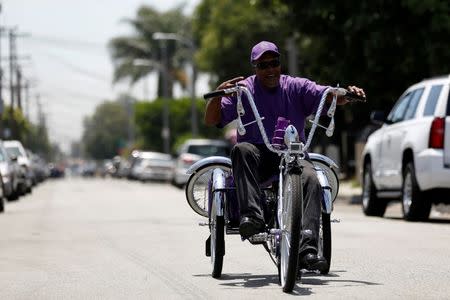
(261, 48)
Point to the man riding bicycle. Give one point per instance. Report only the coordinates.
(276, 95)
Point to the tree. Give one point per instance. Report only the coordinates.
(384, 46)
(148, 116)
(226, 30)
(15, 123)
(33, 137)
(105, 133)
(126, 50)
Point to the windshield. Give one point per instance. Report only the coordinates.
(209, 150)
(13, 151)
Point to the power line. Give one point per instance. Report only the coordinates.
(75, 68)
(73, 94)
(70, 43)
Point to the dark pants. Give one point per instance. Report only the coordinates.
(254, 164)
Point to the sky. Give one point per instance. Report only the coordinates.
(63, 52)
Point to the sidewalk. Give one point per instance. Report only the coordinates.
(348, 193)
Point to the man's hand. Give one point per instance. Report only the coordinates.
(356, 90)
(212, 111)
(341, 100)
(229, 83)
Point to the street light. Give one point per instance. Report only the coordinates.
(173, 36)
(165, 131)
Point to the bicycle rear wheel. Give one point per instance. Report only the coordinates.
(325, 241)
(290, 225)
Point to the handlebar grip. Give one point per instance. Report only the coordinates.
(352, 97)
(214, 94)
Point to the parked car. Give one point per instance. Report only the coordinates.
(2, 198)
(15, 149)
(152, 166)
(56, 170)
(408, 158)
(123, 169)
(2, 205)
(10, 174)
(37, 166)
(89, 169)
(192, 151)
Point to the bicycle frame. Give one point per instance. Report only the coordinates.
(295, 150)
(284, 229)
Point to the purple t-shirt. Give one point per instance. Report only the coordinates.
(294, 99)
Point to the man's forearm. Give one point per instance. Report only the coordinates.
(212, 112)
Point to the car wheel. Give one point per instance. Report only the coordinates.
(414, 205)
(371, 204)
(176, 184)
(14, 195)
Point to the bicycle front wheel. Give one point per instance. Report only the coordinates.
(290, 225)
(217, 227)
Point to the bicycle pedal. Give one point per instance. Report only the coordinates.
(258, 238)
(335, 221)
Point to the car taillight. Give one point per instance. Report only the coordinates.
(187, 159)
(437, 133)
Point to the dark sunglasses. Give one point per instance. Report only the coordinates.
(268, 64)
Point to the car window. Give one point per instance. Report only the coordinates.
(208, 150)
(398, 112)
(432, 100)
(13, 151)
(412, 107)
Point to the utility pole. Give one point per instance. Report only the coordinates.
(166, 128)
(292, 55)
(19, 87)
(129, 106)
(41, 120)
(164, 36)
(27, 99)
(194, 118)
(12, 58)
(165, 132)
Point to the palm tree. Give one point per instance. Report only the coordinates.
(126, 50)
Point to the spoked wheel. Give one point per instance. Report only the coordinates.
(217, 227)
(325, 241)
(290, 225)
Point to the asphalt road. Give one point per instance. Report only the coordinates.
(115, 239)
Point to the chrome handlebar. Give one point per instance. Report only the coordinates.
(293, 146)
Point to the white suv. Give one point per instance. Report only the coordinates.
(409, 156)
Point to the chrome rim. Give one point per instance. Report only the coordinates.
(366, 188)
(285, 230)
(407, 193)
(197, 189)
(213, 233)
(320, 242)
